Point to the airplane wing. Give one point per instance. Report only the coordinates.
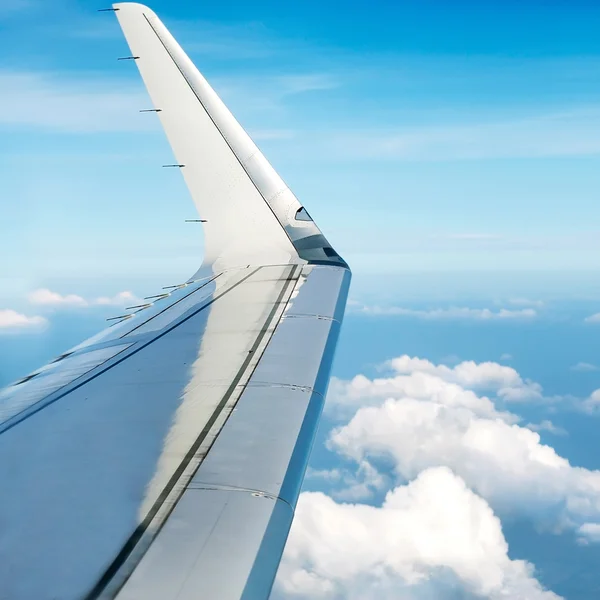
(162, 459)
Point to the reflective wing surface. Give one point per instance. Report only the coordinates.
(162, 459)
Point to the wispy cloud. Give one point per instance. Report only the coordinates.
(525, 302)
(548, 426)
(573, 132)
(460, 313)
(470, 236)
(12, 321)
(584, 367)
(265, 92)
(10, 7)
(595, 318)
(47, 298)
(74, 103)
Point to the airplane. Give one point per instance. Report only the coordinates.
(162, 458)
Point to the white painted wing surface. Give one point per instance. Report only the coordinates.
(251, 213)
(162, 459)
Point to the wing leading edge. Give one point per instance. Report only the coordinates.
(162, 459)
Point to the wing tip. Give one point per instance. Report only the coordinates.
(133, 6)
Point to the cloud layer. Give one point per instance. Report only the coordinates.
(455, 312)
(427, 533)
(433, 415)
(450, 459)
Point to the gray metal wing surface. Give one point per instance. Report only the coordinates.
(162, 458)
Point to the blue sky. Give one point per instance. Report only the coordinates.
(450, 152)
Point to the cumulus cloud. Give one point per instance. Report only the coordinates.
(592, 403)
(48, 298)
(45, 297)
(464, 313)
(452, 460)
(345, 397)
(426, 533)
(486, 375)
(13, 322)
(428, 417)
(449, 386)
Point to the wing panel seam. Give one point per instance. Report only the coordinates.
(128, 548)
(51, 400)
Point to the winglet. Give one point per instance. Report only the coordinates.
(252, 214)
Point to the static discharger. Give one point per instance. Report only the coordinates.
(128, 58)
(151, 110)
(169, 166)
(108, 9)
(140, 306)
(120, 317)
(196, 221)
(157, 296)
(175, 287)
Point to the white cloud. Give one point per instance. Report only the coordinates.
(584, 367)
(306, 82)
(547, 425)
(80, 103)
(486, 375)
(119, 299)
(449, 386)
(347, 396)
(589, 532)
(568, 133)
(45, 297)
(425, 533)
(357, 484)
(48, 298)
(428, 418)
(13, 322)
(478, 314)
(592, 404)
(595, 318)
(506, 356)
